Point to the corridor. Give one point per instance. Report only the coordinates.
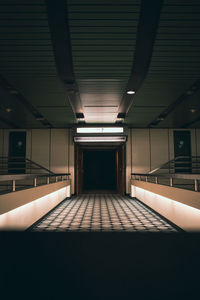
(102, 212)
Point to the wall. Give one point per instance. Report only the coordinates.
(19, 210)
(147, 149)
(51, 148)
(180, 206)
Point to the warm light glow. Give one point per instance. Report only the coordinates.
(93, 139)
(130, 92)
(100, 130)
(183, 215)
(24, 216)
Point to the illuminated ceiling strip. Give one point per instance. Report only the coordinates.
(100, 130)
(91, 139)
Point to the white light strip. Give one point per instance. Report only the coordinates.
(92, 139)
(185, 216)
(24, 216)
(100, 130)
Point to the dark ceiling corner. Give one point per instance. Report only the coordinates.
(12, 90)
(194, 88)
(8, 123)
(146, 34)
(57, 12)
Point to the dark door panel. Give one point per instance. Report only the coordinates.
(182, 151)
(17, 152)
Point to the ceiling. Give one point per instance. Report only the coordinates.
(64, 62)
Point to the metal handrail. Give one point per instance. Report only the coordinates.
(16, 177)
(171, 177)
(179, 163)
(13, 164)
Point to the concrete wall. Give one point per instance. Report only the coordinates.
(51, 148)
(147, 149)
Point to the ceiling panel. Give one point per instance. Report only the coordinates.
(27, 60)
(175, 62)
(103, 38)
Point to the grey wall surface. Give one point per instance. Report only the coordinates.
(147, 149)
(51, 148)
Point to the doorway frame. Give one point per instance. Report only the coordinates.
(79, 148)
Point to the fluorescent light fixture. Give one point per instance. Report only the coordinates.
(100, 130)
(95, 139)
(130, 92)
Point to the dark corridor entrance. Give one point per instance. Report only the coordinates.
(99, 170)
(100, 167)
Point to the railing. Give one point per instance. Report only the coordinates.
(181, 164)
(185, 181)
(12, 183)
(21, 165)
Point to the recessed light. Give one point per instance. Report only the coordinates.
(13, 92)
(8, 110)
(97, 139)
(40, 118)
(160, 119)
(190, 92)
(192, 110)
(100, 130)
(130, 92)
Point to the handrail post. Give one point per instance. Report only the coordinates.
(35, 182)
(13, 185)
(156, 180)
(171, 181)
(146, 178)
(56, 178)
(48, 180)
(196, 185)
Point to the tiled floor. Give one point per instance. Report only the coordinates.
(102, 212)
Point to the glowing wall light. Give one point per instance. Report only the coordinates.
(184, 216)
(100, 130)
(92, 139)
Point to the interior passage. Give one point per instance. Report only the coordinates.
(102, 212)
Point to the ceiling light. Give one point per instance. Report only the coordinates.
(79, 115)
(40, 118)
(190, 92)
(100, 130)
(99, 139)
(13, 92)
(130, 92)
(160, 118)
(192, 110)
(8, 110)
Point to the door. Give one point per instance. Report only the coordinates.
(79, 170)
(17, 152)
(120, 169)
(182, 151)
(99, 170)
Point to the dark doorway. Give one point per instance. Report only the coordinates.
(17, 152)
(99, 170)
(100, 167)
(182, 151)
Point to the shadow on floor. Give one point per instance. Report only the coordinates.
(99, 265)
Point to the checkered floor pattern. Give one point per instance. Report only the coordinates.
(102, 212)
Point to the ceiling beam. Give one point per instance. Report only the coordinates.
(191, 91)
(59, 28)
(10, 89)
(146, 34)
